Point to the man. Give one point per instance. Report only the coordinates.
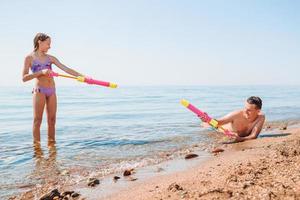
(247, 123)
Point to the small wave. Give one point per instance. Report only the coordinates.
(111, 143)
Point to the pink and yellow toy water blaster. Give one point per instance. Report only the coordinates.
(205, 118)
(86, 80)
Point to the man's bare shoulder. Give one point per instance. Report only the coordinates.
(236, 113)
(261, 116)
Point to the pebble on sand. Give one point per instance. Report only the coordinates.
(128, 172)
(50, 195)
(217, 150)
(190, 156)
(116, 178)
(92, 182)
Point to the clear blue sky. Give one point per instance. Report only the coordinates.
(158, 42)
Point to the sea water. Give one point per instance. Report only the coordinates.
(107, 129)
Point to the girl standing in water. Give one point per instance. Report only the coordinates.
(39, 62)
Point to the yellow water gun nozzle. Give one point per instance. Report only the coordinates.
(184, 102)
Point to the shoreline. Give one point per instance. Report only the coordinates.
(265, 168)
(108, 186)
(174, 162)
(155, 181)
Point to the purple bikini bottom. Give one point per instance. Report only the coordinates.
(44, 90)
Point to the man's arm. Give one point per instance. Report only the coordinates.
(227, 118)
(255, 131)
(224, 120)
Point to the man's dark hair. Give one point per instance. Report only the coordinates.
(256, 101)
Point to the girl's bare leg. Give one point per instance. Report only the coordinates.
(51, 105)
(38, 109)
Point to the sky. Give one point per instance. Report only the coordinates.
(158, 42)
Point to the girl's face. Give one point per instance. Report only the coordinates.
(44, 46)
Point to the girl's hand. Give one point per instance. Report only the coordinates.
(46, 72)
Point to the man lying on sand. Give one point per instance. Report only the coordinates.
(247, 123)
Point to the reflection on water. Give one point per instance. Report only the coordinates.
(46, 168)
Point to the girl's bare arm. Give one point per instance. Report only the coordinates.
(63, 67)
(25, 75)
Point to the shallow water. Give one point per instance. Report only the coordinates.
(111, 129)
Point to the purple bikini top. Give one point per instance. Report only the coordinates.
(38, 65)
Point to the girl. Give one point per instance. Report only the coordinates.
(44, 91)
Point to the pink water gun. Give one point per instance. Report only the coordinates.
(86, 80)
(205, 118)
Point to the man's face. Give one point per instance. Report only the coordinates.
(251, 111)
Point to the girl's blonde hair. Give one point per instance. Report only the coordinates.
(39, 37)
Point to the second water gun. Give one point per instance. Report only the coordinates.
(205, 118)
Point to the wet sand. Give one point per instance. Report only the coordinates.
(265, 168)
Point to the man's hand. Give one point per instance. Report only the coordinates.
(237, 138)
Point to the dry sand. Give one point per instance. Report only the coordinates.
(265, 168)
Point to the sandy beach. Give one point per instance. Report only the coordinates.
(265, 168)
